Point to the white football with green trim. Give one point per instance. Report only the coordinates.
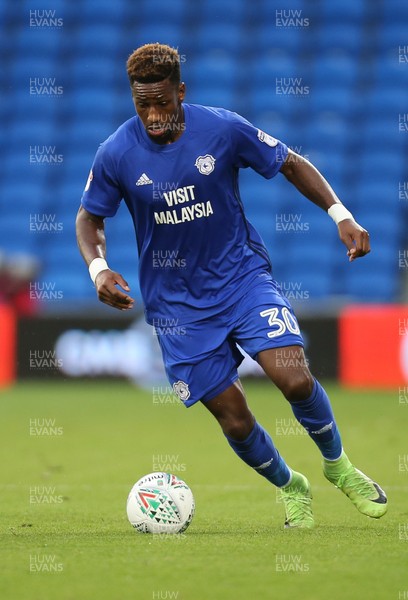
(160, 503)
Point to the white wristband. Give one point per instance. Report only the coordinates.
(338, 212)
(96, 266)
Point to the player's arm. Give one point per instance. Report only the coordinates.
(90, 232)
(307, 179)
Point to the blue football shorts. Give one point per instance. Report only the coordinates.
(201, 358)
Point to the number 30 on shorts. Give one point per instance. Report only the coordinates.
(287, 322)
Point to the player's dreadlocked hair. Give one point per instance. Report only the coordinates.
(153, 62)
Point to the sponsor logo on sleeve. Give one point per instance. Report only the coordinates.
(267, 139)
(88, 183)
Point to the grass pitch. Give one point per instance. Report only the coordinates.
(71, 452)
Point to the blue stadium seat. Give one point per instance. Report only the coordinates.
(227, 11)
(220, 36)
(381, 161)
(382, 223)
(389, 100)
(214, 68)
(111, 13)
(393, 11)
(42, 42)
(158, 31)
(336, 69)
(95, 71)
(70, 284)
(87, 103)
(341, 100)
(382, 131)
(25, 196)
(376, 191)
(157, 11)
(97, 39)
(381, 203)
(316, 286)
(91, 125)
(38, 107)
(27, 132)
(338, 10)
(268, 98)
(57, 5)
(332, 161)
(13, 242)
(371, 285)
(273, 65)
(326, 132)
(262, 197)
(78, 164)
(391, 68)
(307, 252)
(272, 122)
(345, 35)
(273, 13)
(270, 37)
(29, 72)
(215, 95)
(392, 36)
(63, 248)
(69, 192)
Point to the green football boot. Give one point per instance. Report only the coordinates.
(297, 498)
(365, 494)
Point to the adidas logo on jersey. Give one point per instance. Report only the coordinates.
(143, 180)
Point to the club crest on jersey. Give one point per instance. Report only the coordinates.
(267, 139)
(205, 164)
(180, 388)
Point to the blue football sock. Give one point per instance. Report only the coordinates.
(259, 452)
(316, 416)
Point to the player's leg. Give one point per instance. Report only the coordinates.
(287, 368)
(201, 365)
(255, 447)
(246, 436)
(266, 327)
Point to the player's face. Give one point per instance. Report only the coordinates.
(159, 107)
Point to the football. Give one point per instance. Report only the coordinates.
(160, 503)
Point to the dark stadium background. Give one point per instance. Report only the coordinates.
(329, 78)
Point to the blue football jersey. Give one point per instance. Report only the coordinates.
(197, 250)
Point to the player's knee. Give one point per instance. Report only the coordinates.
(298, 385)
(238, 427)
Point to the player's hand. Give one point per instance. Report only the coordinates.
(105, 283)
(355, 238)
